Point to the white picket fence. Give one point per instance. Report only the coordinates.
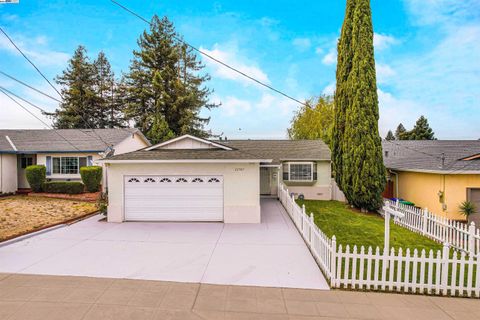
(403, 271)
(457, 234)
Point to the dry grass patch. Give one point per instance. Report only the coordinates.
(23, 214)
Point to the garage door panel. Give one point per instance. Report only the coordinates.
(173, 198)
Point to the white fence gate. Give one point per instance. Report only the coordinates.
(459, 235)
(416, 272)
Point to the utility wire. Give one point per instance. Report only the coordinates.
(4, 91)
(23, 99)
(29, 86)
(214, 59)
(54, 88)
(30, 61)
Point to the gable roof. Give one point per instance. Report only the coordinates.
(204, 143)
(426, 156)
(43, 140)
(267, 151)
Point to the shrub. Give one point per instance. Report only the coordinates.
(91, 177)
(467, 208)
(36, 176)
(68, 187)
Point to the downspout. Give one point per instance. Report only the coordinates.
(1, 172)
(396, 182)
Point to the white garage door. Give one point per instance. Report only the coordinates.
(173, 198)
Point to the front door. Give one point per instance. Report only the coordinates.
(474, 197)
(265, 188)
(24, 161)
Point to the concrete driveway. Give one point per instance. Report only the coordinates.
(268, 254)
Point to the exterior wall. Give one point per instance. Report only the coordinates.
(422, 189)
(321, 189)
(42, 160)
(8, 173)
(241, 186)
(131, 143)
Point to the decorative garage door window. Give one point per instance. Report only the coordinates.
(155, 180)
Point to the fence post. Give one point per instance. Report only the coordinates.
(445, 265)
(312, 223)
(424, 225)
(471, 238)
(333, 262)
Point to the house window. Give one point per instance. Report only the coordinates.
(68, 165)
(300, 171)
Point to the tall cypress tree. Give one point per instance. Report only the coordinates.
(78, 91)
(360, 159)
(165, 91)
(341, 98)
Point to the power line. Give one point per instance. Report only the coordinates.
(38, 70)
(23, 99)
(214, 59)
(30, 87)
(30, 61)
(4, 91)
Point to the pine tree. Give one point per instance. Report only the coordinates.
(361, 161)
(108, 112)
(78, 91)
(165, 91)
(390, 136)
(400, 132)
(422, 130)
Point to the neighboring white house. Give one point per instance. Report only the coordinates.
(63, 152)
(194, 179)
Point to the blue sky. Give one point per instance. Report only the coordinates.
(427, 54)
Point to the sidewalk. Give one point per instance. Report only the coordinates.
(29, 297)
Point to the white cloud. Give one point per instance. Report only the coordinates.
(442, 12)
(319, 50)
(384, 72)
(231, 106)
(330, 58)
(13, 116)
(329, 90)
(302, 43)
(383, 41)
(231, 55)
(36, 49)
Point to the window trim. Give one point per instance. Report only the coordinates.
(60, 166)
(304, 163)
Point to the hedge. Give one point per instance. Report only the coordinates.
(68, 187)
(36, 176)
(91, 177)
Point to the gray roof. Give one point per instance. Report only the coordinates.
(275, 150)
(426, 155)
(43, 140)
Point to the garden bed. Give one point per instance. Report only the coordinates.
(20, 215)
(88, 196)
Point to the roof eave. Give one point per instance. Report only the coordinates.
(113, 161)
(453, 171)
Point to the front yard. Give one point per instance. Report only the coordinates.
(23, 214)
(355, 228)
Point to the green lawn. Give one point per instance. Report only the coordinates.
(355, 228)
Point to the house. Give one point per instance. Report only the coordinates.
(193, 179)
(436, 174)
(63, 152)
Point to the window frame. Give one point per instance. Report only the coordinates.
(311, 164)
(61, 159)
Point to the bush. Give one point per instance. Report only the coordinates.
(467, 208)
(91, 177)
(68, 187)
(36, 176)
(102, 203)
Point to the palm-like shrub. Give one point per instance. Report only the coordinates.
(467, 208)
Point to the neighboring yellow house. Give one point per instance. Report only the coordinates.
(436, 174)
